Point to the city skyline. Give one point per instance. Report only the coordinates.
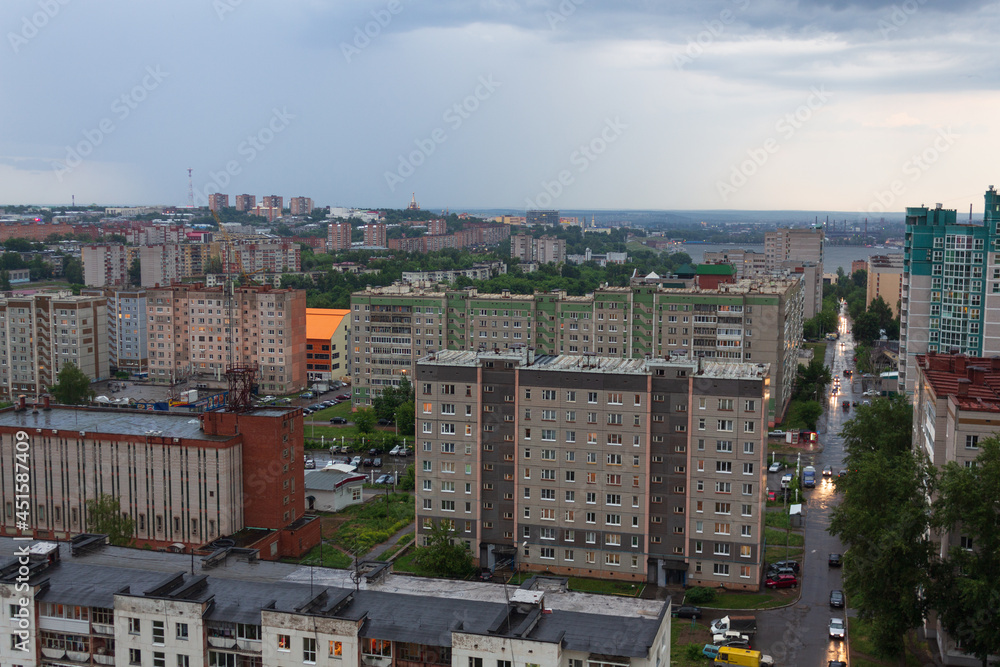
(864, 106)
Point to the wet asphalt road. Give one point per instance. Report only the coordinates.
(798, 635)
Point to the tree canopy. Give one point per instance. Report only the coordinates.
(104, 516)
(72, 386)
(443, 556)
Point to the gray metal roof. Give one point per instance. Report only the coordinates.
(112, 422)
(328, 480)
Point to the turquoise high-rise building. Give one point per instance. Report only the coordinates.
(951, 282)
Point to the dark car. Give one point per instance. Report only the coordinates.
(337, 420)
(782, 581)
(737, 643)
(385, 422)
(836, 560)
(836, 598)
(687, 611)
(372, 452)
(367, 463)
(485, 575)
(377, 463)
(836, 663)
(344, 397)
(794, 565)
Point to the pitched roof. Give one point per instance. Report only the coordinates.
(322, 322)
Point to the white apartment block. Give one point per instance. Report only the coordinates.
(114, 606)
(106, 265)
(42, 332)
(127, 344)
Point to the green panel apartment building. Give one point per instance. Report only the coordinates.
(951, 280)
(753, 320)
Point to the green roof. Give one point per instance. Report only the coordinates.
(716, 270)
(685, 270)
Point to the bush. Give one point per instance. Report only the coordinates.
(700, 595)
(693, 652)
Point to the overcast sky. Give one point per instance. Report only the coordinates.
(638, 104)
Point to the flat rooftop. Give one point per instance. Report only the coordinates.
(574, 363)
(266, 573)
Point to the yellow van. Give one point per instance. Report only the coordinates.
(743, 657)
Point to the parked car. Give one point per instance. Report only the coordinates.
(395, 450)
(782, 581)
(356, 461)
(306, 411)
(385, 422)
(338, 420)
(382, 479)
(790, 564)
(367, 463)
(836, 663)
(377, 462)
(838, 630)
(786, 480)
(777, 466)
(390, 479)
(836, 598)
(329, 404)
(836, 560)
(310, 464)
(307, 394)
(344, 397)
(776, 434)
(687, 611)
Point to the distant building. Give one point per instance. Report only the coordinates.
(273, 201)
(245, 202)
(542, 218)
(375, 234)
(803, 244)
(746, 262)
(436, 227)
(482, 271)
(301, 205)
(19, 276)
(885, 279)
(218, 201)
(544, 250)
(602, 259)
(106, 264)
(327, 340)
(413, 205)
(858, 265)
(339, 236)
(713, 276)
(269, 213)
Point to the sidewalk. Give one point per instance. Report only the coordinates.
(389, 543)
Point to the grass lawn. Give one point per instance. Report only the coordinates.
(777, 536)
(747, 600)
(774, 553)
(339, 410)
(819, 349)
(861, 645)
(606, 587)
(777, 519)
(374, 522)
(683, 636)
(332, 557)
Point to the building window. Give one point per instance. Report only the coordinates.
(284, 642)
(309, 649)
(972, 442)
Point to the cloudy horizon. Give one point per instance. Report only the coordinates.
(863, 105)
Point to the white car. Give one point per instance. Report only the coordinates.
(786, 480)
(776, 434)
(395, 450)
(837, 628)
(776, 466)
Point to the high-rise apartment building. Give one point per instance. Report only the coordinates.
(757, 321)
(258, 257)
(127, 344)
(641, 469)
(327, 336)
(951, 279)
(803, 247)
(155, 234)
(217, 201)
(339, 236)
(273, 201)
(543, 250)
(375, 234)
(542, 217)
(106, 264)
(245, 202)
(301, 205)
(189, 331)
(167, 263)
(885, 279)
(42, 332)
(437, 227)
(747, 263)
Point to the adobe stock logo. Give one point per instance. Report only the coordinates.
(48, 10)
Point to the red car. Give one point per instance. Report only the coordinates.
(782, 581)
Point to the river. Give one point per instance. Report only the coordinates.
(836, 255)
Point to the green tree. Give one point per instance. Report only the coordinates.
(135, 272)
(364, 419)
(405, 417)
(811, 380)
(104, 517)
(408, 481)
(443, 556)
(72, 386)
(4, 280)
(810, 412)
(888, 550)
(965, 589)
(214, 264)
(73, 270)
(866, 328)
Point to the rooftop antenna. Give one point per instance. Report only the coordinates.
(970, 212)
(190, 189)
